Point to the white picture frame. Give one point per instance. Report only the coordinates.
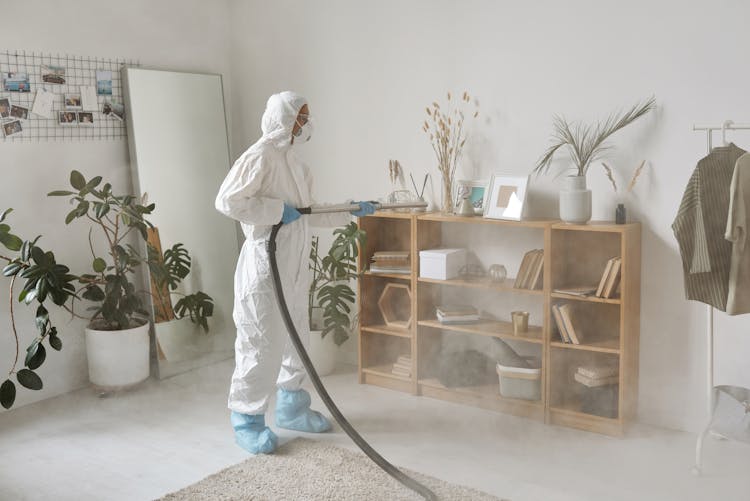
(477, 190)
(506, 197)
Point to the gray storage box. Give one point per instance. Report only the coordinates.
(521, 382)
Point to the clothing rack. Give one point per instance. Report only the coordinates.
(724, 127)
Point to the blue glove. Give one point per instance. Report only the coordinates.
(365, 209)
(290, 214)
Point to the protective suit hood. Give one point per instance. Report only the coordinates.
(278, 119)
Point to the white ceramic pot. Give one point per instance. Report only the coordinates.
(118, 359)
(322, 352)
(575, 200)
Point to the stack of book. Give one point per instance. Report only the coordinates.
(530, 274)
(391, 262)
(563, 314)
(610, 278)
(402, 367)
(458, 314)
(595, 376)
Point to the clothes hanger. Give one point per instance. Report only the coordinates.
(726, 124)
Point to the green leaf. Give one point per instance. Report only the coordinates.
(12, 269)
(7, 393)
(12, 242)
(42, 318)
(55, 342)
(77, 180)
(99, 265)
(101, 210)
(29, 379)
(4, 214)
(94, 183)
(37, 255)
(60, 193)
(71, 216)
(35, 356)
(22, 295)
(93, 293)
(4, 228)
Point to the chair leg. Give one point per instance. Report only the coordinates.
(698, 468)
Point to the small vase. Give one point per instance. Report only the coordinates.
(447, 197)
(575, 200)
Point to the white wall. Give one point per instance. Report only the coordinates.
(169, 34)
(370, 68)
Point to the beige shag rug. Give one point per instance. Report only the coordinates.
(306, 470)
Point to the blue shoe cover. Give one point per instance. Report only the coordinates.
(293, 413)
(252, 434)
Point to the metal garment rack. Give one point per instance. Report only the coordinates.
(709, 129)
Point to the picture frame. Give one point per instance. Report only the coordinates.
(16, 82)
(506, 197)
(85, 119)
(73, 101)
(19, 112)
(476, 191)
(67, 118)
(53, 74)
(12, 128)
(5, 107)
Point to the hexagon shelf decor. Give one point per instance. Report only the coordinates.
(395, 306)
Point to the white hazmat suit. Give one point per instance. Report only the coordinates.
(266, 176)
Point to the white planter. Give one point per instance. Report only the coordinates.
(322, 352)
(575, 200)
(118, 359)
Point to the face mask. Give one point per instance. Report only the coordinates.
(304, 132)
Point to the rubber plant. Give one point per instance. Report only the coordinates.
(118, 304)
(44, 280)
(331, 274)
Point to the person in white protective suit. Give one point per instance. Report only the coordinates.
(263, 188)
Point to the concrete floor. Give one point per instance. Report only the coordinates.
(142, 444)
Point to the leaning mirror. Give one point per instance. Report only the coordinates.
(179, 156)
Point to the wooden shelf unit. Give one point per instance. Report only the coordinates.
(575, 255)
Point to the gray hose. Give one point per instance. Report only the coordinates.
(337, 415)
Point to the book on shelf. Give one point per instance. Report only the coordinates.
(531, 270)
(400, 372)
(458, 319)
(614, 279)
(537, 277)
(583, 291)
(390, 256)
(593, 383)
(456, 310)
(566, 312)
(560, 324)
(598, 371)
(380, 268)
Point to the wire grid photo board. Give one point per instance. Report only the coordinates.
(25, 74)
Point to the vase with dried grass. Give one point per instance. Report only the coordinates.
(586, 144)
(448, 137)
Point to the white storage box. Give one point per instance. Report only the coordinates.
(441, 264)
(520, 382)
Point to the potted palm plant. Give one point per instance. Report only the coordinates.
(331, 297)
(117, 339)
(585, 143)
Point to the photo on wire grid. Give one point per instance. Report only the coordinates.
(104, 82)
(16, 82)
(67, 118)
(12, 128)
(85, 118)
(73, 101)
(4, 107)
(114, 109)
(53, 74)
(19, 112)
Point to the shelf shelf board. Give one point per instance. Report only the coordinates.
(603, 226)
(389, 331)
(573, 410)
(587, 299)
(528, 223)
(485, 396)
(506, 286)
(399, 276)
(602, 346)
(393, 214)
(492, 328)
(385, 371)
